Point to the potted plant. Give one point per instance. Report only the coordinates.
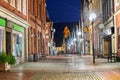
(6, 60)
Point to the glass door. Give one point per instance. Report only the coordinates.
(8, 42)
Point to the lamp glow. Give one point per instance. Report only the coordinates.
(92, 17)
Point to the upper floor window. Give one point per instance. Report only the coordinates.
(24, 7)
(12, 2)
(19, 5)
(32, 5)
(6, 0)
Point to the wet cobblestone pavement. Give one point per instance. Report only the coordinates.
(110, 74)
(66, 76)
(15, 75)
(64, 68)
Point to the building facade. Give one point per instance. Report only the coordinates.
(89, 7)
(86, 26)
(13, 28)
(116, 47)
(36, 32)
(48, 36)
(109, 29)
(23, 30)
(95, 6)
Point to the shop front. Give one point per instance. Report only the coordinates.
(15, 41)
(108, 40)
(18, 43)
(2, 33)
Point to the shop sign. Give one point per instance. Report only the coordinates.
(85, 29)
(107, 32)
(2, 22)
(18, 28)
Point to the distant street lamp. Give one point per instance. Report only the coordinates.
(92, 19)
(79, 33)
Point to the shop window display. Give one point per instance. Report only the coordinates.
(1, 40)
(17, 47)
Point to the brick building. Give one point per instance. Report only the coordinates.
(95, 6)
(116, 45)
(13, 28)
(23, 30)
(39, 29)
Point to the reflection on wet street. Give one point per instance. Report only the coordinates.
(64, 67)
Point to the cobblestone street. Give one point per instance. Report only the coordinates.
(66, 76)
(61, 75)
(69, 67)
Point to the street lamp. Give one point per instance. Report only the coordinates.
(92, 19)
(79, 33)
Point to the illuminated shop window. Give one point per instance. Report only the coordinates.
(1, 40)
(17, 45)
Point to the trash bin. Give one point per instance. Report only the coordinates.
(35, 57)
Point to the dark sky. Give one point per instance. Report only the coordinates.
(63, 10)
(62, 13)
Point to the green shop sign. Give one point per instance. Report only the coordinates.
(18, 28)
(3, 22)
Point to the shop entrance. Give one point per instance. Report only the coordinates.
(107, 46)
(8, 42)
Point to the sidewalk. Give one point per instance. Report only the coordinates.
(66, 63)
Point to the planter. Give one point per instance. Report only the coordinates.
(4, 66)
(6, 60)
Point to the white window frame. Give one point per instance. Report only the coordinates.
(6, 1)
(19, 6)
(12, 3)
(24, 6)
(18, 33)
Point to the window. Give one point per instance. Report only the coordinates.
(19, 5)
(12, 3)
(40, 9)
(24, 7)
(17, 45)
(32, 6)
(1, 40)
(6, 0)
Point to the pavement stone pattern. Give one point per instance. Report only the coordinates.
(111, 74)
(15, 75)
(65, 76)
(68, 67)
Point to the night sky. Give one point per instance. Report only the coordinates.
(62, 13)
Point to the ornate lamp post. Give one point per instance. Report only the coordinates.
(92, 19)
